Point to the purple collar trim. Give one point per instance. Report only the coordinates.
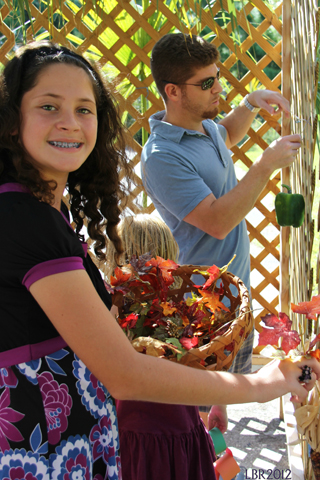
(84, 244)
(13, 187)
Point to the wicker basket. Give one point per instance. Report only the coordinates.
(238, 324)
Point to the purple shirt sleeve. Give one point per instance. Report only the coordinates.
(51, 267)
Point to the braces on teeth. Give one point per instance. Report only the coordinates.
(65, 144)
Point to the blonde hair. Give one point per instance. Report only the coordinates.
(141, 234)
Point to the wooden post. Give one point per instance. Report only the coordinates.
(285, 173)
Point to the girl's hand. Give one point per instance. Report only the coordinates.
(289, 371)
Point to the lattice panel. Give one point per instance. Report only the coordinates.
(305, 23)
(121, 35)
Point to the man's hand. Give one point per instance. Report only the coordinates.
(268, 100)
(280, 154)
(218, 417)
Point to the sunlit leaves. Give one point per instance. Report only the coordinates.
(310, 309)
(279, 328)
(142, 292)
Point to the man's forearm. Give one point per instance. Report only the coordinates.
(230, 209)
(218, 216)
(239, 120)
(237, 124)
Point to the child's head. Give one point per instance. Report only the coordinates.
(141, 234)
(94, 187)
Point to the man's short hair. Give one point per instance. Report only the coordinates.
(176, 57)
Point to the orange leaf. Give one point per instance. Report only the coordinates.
(311, 309)
(120, 277)
(212, 301)
(168, 308)
(166, 267)
(315, 354)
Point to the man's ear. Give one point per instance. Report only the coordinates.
(173, 92)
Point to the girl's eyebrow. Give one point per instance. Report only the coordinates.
(54, 95)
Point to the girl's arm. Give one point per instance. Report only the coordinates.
(76, 310)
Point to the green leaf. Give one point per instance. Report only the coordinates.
(140, 330)
(176, 343)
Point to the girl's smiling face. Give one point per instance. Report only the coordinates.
(59, 121)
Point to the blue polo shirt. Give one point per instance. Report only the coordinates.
(179, 169)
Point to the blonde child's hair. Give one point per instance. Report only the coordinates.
(141, 234)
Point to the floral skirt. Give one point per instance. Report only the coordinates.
(57, 421)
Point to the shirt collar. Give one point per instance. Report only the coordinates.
(173, 132)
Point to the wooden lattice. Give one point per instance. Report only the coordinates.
(305, 20)
(109, 34)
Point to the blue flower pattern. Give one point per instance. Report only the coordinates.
(91, 456)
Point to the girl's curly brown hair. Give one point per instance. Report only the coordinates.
(95, 190)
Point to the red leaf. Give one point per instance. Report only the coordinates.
(314, 341)
(214, 275)
(311, 309)
(189, 343)
(290, 341)
(279, 327)
(130, 321)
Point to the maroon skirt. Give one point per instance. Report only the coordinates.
(163, 442)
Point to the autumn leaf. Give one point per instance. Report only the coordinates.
(214, 272)
(211, 300)
(130, 321)
(140, 264)
(179, 350)
(166, 267)
(150, 346)
(189, 343)
(314, 341)
(278, 328)
(120, 277)
(311, 309)
(168, 308)
(315, 354)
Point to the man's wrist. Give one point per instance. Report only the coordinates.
(249, 105)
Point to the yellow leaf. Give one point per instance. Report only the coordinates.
(168, 308)
(150, 346)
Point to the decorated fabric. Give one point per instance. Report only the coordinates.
(56, 421)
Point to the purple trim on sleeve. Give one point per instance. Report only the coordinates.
(31, 352)
(85, 248)
(51, 267)
(13, 187)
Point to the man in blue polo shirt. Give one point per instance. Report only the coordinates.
(187, 169)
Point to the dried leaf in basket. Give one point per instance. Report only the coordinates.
(203, 330)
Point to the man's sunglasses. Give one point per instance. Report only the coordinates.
(205, 85)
